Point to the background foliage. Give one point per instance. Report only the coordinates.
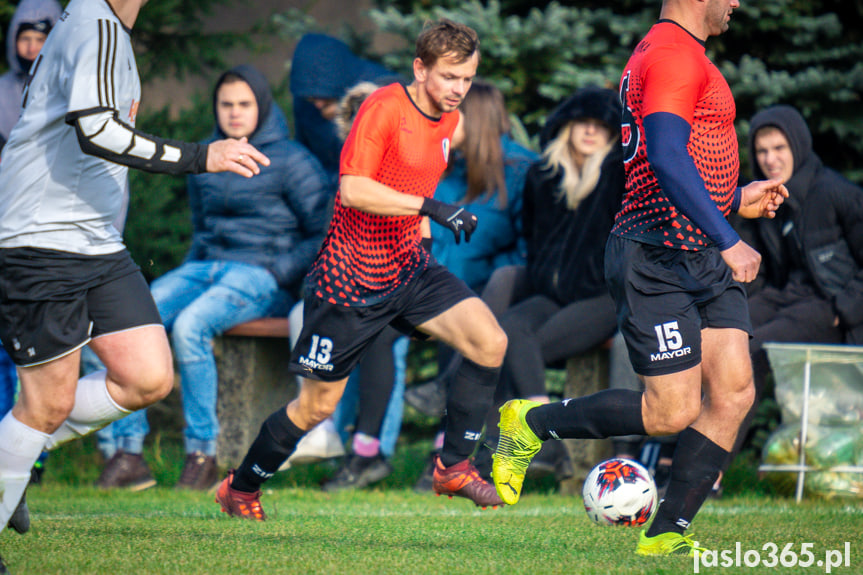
(805, 53)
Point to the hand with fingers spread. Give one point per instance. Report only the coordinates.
(236, 156)
(456, 218)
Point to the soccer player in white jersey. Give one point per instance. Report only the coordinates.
(67, 278)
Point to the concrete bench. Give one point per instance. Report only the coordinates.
(585, 374)
(252, 363)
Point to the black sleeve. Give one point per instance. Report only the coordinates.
(102, 134)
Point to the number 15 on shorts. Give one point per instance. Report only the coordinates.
(670, 342)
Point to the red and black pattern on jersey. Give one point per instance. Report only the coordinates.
(669, 72)
(366, 257)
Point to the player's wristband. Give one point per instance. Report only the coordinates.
(426, 243)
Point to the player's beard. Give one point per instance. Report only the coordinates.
(445, 106)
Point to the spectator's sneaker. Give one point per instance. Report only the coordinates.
(239, 503)
(516, 447)
(38, 470)
(428, 398)
(126, 471)
(463, 480)
(357, 472)
(200, 472)
(426, 479)
(20, 520)
(321, 442)
(666, 544)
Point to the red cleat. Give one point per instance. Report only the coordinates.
(239, 503)
(463, 480)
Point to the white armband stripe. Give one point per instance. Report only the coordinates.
(115, 137)
(171, 154)
(142, 148)
(94, 123)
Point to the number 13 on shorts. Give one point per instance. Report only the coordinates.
(321, 349)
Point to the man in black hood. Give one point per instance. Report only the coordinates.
(812, 279)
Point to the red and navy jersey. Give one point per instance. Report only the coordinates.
(670, 72)
(366, 257)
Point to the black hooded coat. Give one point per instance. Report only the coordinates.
(817, 235)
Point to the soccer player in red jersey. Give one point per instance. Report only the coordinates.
(374, 271)
(674, 266)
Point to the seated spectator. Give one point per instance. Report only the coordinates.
(811, 287)
(560, 306)
(323, 68)
(253, 241)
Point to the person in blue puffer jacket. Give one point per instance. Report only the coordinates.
(253, 242)
(323, 68)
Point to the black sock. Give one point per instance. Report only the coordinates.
(603, 414)
(631, 447)
(275, 443)
(694, 469)
(468, 400)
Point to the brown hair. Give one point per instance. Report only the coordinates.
(485, 121)
(446, 38)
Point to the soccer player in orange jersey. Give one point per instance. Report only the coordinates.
(374, 271)
(675, 268)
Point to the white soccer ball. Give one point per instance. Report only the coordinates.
(619, 492)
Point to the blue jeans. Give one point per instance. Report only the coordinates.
(198, 301)
(8, 382)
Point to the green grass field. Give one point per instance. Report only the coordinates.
(78, 529)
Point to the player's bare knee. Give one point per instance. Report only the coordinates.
(50, 413)
(492, 349)
(155, 385)
(734, 403)
(320, 409)
(663, 421)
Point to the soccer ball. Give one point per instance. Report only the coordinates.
(619, 492)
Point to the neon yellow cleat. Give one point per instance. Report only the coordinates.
(516, 447)
(666, 544)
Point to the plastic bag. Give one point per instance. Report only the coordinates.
(826, 446)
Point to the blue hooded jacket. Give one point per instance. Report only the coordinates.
(12, 82)
(497, 240)
(324, 67)
(276, 219)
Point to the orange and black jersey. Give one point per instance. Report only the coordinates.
(366, 257)
(670, 73)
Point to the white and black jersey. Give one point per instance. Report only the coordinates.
(64, 169)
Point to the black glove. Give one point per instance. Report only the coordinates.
(452, 217)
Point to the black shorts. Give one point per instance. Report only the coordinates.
(665, 297)
(335, 337)
(53, 302)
